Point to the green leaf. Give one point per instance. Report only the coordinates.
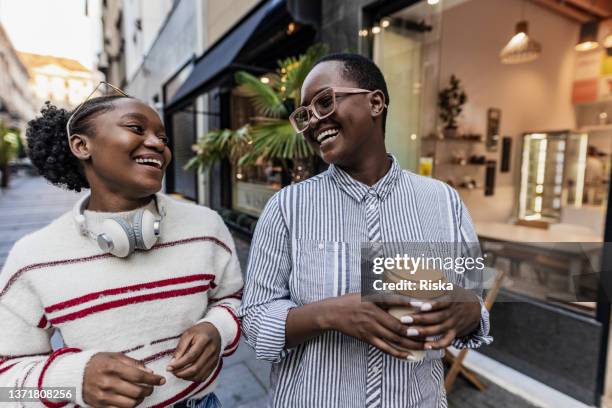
(276, 139)
(265, 99)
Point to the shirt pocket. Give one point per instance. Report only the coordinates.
(321, 269)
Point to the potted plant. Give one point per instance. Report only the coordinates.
(450, 103)
(9, 148)
(269, 135)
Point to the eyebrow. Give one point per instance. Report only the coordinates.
(134, 115)
(140, 116)
(316, 93)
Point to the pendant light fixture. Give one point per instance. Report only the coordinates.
(587, 40)
(521, 48)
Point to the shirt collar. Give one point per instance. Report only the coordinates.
(357, 190)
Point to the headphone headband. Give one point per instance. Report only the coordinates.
(121, 237)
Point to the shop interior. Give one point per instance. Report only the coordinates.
(498, 99)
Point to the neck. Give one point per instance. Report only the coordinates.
(109, 202)
(371, 168)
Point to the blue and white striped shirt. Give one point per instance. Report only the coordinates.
(307, 248)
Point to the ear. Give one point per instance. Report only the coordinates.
(377, 103)
(80, 146)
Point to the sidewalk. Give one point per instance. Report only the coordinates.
(31, 203)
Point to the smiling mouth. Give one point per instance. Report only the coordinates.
(327, 135)
(146, 161)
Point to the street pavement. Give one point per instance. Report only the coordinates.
(31, 203)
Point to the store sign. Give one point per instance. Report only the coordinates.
(251, 198)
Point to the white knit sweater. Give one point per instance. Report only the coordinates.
(58, 279)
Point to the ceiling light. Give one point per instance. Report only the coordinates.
(432, 2)
(588, 36)
(520, 48)
(375, 29)
(385, 23)
(265, 80)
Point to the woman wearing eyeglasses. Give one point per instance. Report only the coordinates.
(143, 288)
(302, 308)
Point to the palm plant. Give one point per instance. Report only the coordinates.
(269, 135)
(9, 148)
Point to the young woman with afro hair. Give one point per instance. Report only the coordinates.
(143, 288)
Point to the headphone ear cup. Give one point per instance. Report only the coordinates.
(144, 229)
(137, 228)
(121, 234)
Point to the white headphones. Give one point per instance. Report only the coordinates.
(118, 236)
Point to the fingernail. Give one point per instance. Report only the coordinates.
(169, 368)
(162, 381)
(406, 319)
(412, 332)
(415, 303)
(430, 338)
(427, 347)
(426, 307)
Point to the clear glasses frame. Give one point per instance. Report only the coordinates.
(311, 109)
(80, 105)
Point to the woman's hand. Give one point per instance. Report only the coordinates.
(113, 379)
(197, 353)
(370, 323)
(456, 317)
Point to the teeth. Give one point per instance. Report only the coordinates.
(146, 160)
(328, 132)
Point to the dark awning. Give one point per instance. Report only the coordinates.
(222, 54)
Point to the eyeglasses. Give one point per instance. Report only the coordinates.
(322, 106)
(78, 108)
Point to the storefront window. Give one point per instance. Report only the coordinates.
(406, 48)
(534, 188)
(253, 185)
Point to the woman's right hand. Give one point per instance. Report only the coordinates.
(115, 380)
(370, 323)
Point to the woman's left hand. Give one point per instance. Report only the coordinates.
(197, 353)
(456, 317)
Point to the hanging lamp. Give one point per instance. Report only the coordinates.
(521, 48)
(588, 36)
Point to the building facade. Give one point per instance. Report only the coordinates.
(111, 61)
(16, 97)
(63, 81)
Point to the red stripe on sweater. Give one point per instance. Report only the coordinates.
(27, 268)
(181, 395)
(41, 377)
(237, 337)
(166, 339)
(25, 377)
(132, 288)
(7, 368)
(195, 239)
(42, 323)
(128, 301)
(10, 357)
(151, 343)
(157, 356)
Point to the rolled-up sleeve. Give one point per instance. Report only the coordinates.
(467, 235)
(266, 300)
